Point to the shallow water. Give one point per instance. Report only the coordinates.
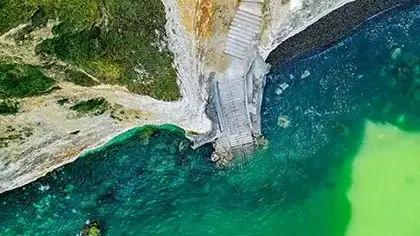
(386, 184)
(315, 177)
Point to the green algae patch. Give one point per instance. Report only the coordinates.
(386, 181)
(146, 134)
(142, 134)
(18, 81)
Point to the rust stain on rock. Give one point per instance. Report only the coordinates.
(204, 13)
(196, 16)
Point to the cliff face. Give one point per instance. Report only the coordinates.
(88, 80)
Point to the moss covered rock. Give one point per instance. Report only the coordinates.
(91, 229)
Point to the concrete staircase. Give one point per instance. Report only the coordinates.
(232, 94)
(233, 89)
(244, 29)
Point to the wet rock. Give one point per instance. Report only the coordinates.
(91, 229)
(214, 157)
(183, 146)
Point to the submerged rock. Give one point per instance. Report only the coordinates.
(305, 74)
(396, 54)
(283, 122)
(341, 128)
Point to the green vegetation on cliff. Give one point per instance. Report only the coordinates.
(79, 78)
(8, 107)
(18, 81)
(73, 13)
(94, 106)
(117, 42)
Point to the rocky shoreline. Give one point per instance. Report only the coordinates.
(330, 28)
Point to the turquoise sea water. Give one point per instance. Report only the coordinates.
(306, 183)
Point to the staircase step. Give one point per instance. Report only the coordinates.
(245, 24)
(233, 37)
(251, 21)
(248, 19)
(244, 28)
(235, 54)
(238, 43)
(242, 33)
(235, 47)
(257, 1)
(248, 14)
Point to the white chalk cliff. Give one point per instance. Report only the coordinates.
(197, 34)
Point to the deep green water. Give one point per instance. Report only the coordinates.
(149, 182)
